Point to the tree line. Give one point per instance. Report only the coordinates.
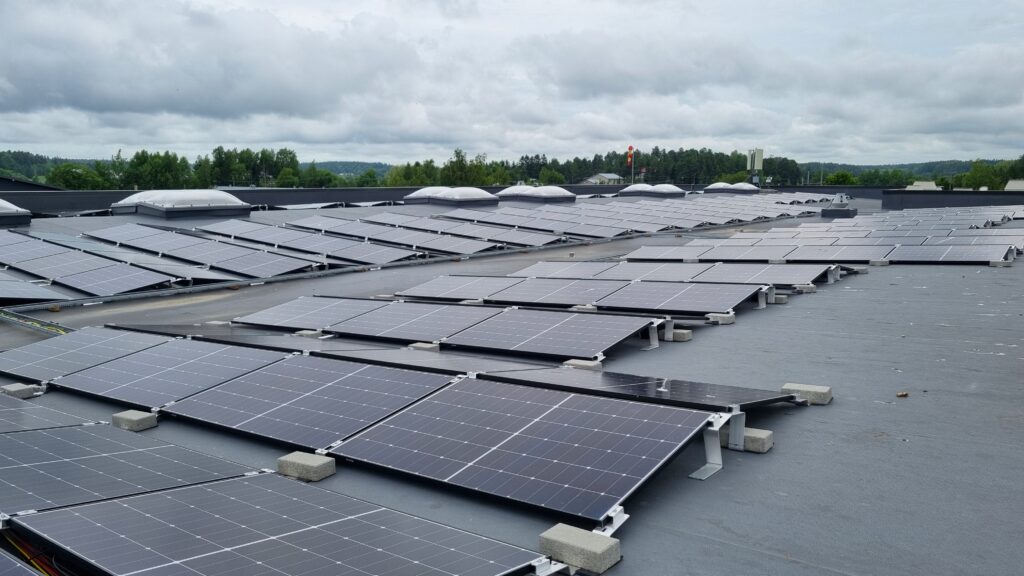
(981, 174)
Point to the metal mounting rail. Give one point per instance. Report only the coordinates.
(50, 328)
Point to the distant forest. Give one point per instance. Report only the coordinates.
(282, 168)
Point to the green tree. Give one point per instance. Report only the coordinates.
(841, 178)
(287, 178)
(368, 179)
(75, 177)
(550, 176)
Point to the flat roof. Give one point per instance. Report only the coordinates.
(870, 484)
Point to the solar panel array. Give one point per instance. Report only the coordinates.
(557, 292)
(311, 312)
(580, 455)
(44, 469)
(679, 298)
(61, 355)
(168, 372)
(262, 525)
(309, 401)
(459, 287)
(413, 239)
(13, 289)
(18, 415)
(414, 321)
(232, 258)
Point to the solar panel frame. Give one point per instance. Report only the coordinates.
(544, 448)
(550, 333)
(56, 467)
(309, 401)
(167, 372)
(61, 355)
(263, 524)
(459, 287)
(987, 232)
(414, 321)
(311, 312)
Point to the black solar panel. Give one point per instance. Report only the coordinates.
(116, 279)
(15, 290)
(444, 362)
(563, 270)
(209, 252)
(561, 334)
(14, 253)
(951, 254)
(987, 232)
(774, 274)
(44, 469)
(18, 415)
(459, 287)
(309, 401)
(884, 241)
(1017, 241)
(670, 253)
(311, 312)
(275, 235)
(679, 297)
(165, 241)
(390, 218)
(10, 566)
(232, 227)
(264, 525)
(319, 243)
(414, 321)
(580, 455)
(373, 253)
(7, 238)
(796, 242)
(655, 271)
(683, 393)
(755, 253)
(455, 245)
(168, 372)
(557, 291)
(64, 264)
(123, 232)
(838, 253)
(263, 264)
(62, 355)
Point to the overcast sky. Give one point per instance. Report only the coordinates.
(856, 81)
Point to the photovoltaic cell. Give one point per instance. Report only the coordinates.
(563, 270)
(557, 291)
(309, 401)
(168, 372)
(18, 415)
(62, 355)
(561, 334)
(267, 525)
(580, 455)
(459, 287)
(44, 469)
(414, 321)
(679, 297)
(311, 312)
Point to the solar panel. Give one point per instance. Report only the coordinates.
(580, 455)
(167, 372)
(20, 290)
(311, 312)
(263, 264)
(44, 469)
(563, 269)
(116, 279)
(988, 232)
(459, 287)
(557, 292)
(267, 524)
(209, 252)
(679, 297)
(445, 362)
(655, 271)
(165, 241)
(14, 253)
(560, 334)
(774, 274)
(232, 227)
(62, 355)
(723, 242)
(319, 243)
(432, 224)
(64, 264)
(682, 393)
(828, 241)
(317, 222)
(7, 238)
(838, 253)
(414, 321)
(390, 218)
(594, 231)
(676, 253)
(883, 241)
(755, 253)
(309, 401)
(1017, 241)
(123, 232)
(373, 253)
(275, 235)
(454, 245)
(950, 254)
(18, 415)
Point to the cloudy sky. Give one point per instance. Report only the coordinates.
(847, 81)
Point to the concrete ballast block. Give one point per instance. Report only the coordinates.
(805, 288)
(754, 439)
(134, 420)
(306, 466)
(776, 261)
(681, 335)
(721, 319)
(580, 548)
(425, 346)
(781, 299)
(878, 263)
(814, 394)
(21, 391)
(584, 364)
(999, 263)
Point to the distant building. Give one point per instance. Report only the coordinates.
(923, 185)
(604, 178)
(1015, 186)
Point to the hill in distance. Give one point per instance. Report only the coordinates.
(349, 167)
(926, 170)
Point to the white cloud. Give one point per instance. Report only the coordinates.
(396, 81)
